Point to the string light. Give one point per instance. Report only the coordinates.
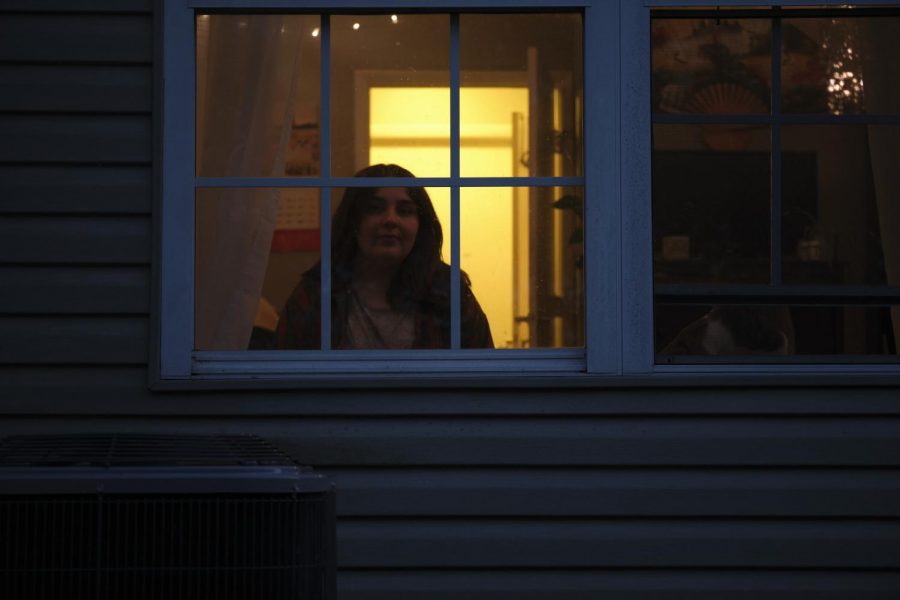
(315, 32)
(394, 19)
(355, 26)
(846, 88)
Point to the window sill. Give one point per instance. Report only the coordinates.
(682, 376)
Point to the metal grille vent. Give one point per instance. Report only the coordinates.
(145, 526)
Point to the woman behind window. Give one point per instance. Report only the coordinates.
(390, 288)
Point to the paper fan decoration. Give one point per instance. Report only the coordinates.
(725, 99)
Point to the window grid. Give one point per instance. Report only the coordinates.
(777, 292)
(326, 183)
(776, 120)
(455, 326)
(776, 205)
(325, 192)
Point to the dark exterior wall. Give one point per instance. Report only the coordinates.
(637, 493)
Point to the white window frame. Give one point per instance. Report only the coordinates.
(177, 360)
(617, 213)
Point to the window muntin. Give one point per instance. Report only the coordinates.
(298, 138)
(825, 279)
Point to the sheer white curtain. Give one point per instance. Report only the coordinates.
(882, 85)
(247, 72)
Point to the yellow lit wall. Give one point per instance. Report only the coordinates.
(410, 127)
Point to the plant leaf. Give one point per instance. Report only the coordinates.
(570, 202)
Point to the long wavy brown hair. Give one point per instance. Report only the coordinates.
(417, 277)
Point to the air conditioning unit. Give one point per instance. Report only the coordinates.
(163, 517)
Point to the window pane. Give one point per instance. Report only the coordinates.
(526, 78)
(775, 330)
(390, 287)
(836, 185)
(841, 204)
(257, 95)
(711, 66)
(409, 127)
(390, 78)
(254, 249)
(711, 198)
(840, 65)
(522, 249)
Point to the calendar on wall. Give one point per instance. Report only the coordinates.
(297, 224)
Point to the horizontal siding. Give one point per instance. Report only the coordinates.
(97, 391)
(75, 189)
(649, 492)
(662, 543)
(610, 441)
(110, 139)
(74, 290)
(73, 340)
(75, 88)
(506, 441)
(79, 6)
(76, 38)
(74, 239)
(643, 584)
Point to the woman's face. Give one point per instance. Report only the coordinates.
(388, 226)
